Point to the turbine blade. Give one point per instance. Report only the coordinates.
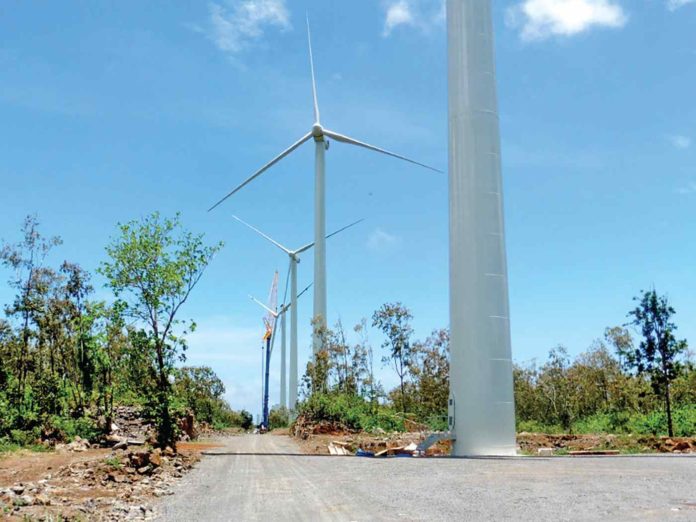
(305, 248)
(263, 169)
(345, 228)
(303, 291)
(352, 141)
(275, 314)
(263, 235)
(310, 245)
(287, 283)
(314, 81)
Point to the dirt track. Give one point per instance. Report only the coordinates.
(264, 478)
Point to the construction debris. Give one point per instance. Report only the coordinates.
(338, 449)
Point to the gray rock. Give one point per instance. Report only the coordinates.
(24, 500)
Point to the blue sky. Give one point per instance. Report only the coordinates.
(112, 110)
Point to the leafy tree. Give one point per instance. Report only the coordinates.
(557, 388)
(278, 417)
(394, 321)
(364, 360)
(528, 403)
(247, 420)
(202, 391)
(25, 259)
(154, 265)
(658, 352)
(430, 373)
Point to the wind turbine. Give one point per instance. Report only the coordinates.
(320, 136)
(294, 256)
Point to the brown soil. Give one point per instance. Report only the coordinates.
(529, 443)
(25, 466)
(95, 484)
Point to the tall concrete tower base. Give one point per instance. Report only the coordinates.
(482, 412)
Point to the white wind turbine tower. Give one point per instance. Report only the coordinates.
(320, 136)
(482, 409)
(294, 258)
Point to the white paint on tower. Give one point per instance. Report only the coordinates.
(481, 389)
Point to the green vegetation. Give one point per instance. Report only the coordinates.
(67, 358)
(114, 462)
(278, 417)
(649, 389)
(614, 387)
(340, 387)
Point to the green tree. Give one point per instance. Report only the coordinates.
(154, 265)
(430, 373)
(394, 321)
(556, 388)
(247, 420)
(202, 390)
(658, 353)
(370, 387)
(29, 279)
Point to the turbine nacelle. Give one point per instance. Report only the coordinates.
(317, 132)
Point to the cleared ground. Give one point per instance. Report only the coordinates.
(262, 477)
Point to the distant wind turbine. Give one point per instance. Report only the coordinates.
(294, 256)
(320, 135)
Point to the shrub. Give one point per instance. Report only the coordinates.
(655, 423)
(612, 422)
(69, 428)
(351, 412)
(532, 426)
(279, 417)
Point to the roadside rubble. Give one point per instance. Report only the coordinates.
(323, 440)
(544, 445)
(113, 478)
(112, 486)
(371, 445)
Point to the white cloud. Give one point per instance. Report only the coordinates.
(234, 26)
(688, 189)
(420, 14)
(673, 5)
(680, 142)
(381, 241)
(398, 14)
(541, 19)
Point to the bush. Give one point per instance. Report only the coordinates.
(351, 412)
(655, 423)
(531, 426)
(69, 428)
(613, 422)
(24, 438)
(279, 417)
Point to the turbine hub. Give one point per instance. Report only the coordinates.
(317, 131)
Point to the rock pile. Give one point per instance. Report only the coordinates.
(128, 423)
(112, 488)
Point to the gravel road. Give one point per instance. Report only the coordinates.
(262, 477)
